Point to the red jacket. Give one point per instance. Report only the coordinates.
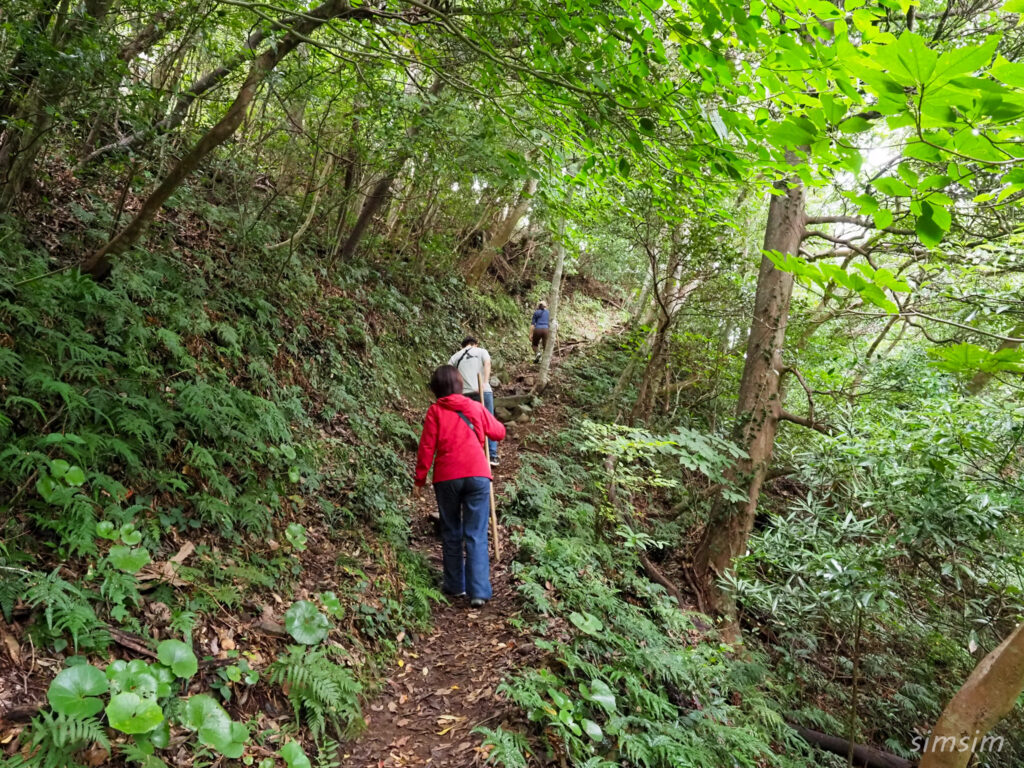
(450, 445)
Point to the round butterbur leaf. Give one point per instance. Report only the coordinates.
(586, 622)
(131, 713)
(294, 756)
(305, 623)
(128, 559)
(74, 690)
(179, 657)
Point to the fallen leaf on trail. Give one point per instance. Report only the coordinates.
(12, 646)
(186, 549)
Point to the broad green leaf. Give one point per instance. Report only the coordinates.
(135, 676)
(876, 296)
(882, 218)
(592, 729)
(106, 530)
(131, 713)
(128, 559)
(929, 227)
(129, 535)
(59, 468)
(294, 756)
(305, 623)
(179, 657)
(213, 725)
(890, 185)
(75, 476)
(600, 694)
(1013, 6)
(586, 622)
(963, 61)
(72, 692)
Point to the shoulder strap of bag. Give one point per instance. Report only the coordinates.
(467, 421)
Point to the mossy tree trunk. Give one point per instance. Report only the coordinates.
(757, 412)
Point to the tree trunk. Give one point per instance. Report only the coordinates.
(206, 83)
(757, 411)
(502, 233)
(989, 694)
(379, 192)
(543, 375)
(98, 264)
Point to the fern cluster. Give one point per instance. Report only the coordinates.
(629, 687)
(57, 740)
(320, 690)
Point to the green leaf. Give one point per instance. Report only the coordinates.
(129, 535)
(600, 694)
(135, 676)
(305, 623)
(75, 476)
(294, 756)
(586, 622)
(929, 228)
(213, 725)
(1013, 6)
(179, 657)
(883, 218)
(592, 729)
(72, 692)
(963, 61)
(333, 604)
(131, 713)
(106, 530)
(59, 467)
(127, 559)
(623, 166)
(890, 185)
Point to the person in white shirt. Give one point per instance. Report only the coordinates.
(473, 361)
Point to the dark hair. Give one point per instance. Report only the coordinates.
(445, 381)
(468, 340)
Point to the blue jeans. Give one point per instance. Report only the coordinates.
(464, 505)
(492, 445)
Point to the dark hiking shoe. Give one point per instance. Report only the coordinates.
(477, 602)
(495, 462)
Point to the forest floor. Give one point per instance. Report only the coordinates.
(446, 685)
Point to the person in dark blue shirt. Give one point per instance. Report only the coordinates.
(540, 330)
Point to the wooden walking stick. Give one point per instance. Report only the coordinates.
(487, 455)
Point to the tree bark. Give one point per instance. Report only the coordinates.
(543, 375)
(379, 192)
(989, 694)
(502, 233)
(862, 755)
(99, 263)
(758, 409)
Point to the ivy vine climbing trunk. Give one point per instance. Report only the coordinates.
(99, 263)
(757, 411)
(989, 694)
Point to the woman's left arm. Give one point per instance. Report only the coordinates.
(428, 445)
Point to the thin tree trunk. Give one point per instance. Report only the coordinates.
(98, 264)
(543, 375)
(292, 241)
(989, 694)
(379, 192)
(757, 412)
(502, 232)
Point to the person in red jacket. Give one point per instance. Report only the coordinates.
(453, 438)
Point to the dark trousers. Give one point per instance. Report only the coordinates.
(540, 338)
(464, 505)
